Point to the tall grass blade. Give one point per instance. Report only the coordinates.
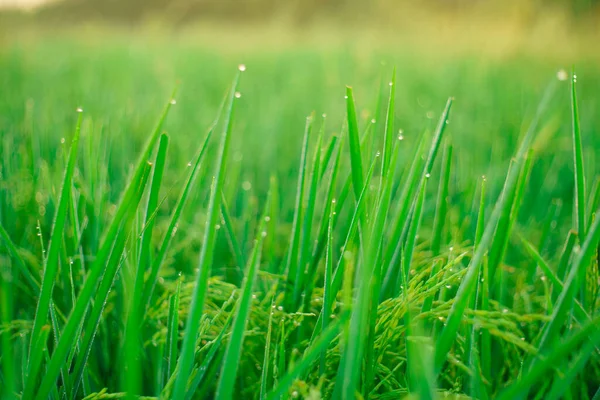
(52, 259)
(206, 256)
(229, 369)
(469, 282)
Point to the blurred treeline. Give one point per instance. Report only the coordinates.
(305, 12)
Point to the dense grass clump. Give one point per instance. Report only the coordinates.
(405, 244)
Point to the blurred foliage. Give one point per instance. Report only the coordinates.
(303, 12)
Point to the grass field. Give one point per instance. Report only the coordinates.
(187, 221)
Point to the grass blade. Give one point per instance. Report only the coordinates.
(172, 229)
(354, 142)
(229, 369)
(52, 259)
(206, 255)
(311, 354)
(469, 282)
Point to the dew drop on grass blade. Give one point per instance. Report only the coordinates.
(75, 321)
(468, 283)
(172, 228)
(131, 379)
(51, 261)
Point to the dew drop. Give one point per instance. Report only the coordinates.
(263, 234)
(400, 137)
(295, 394)
(280, 308)
(246, 185)
(562, 75)
(427, 175)
(345, 97)
(324, 115)
(62, 140)
(242, 67)
(237, 95)
(391, 83)
(448, 286)
(373, 120)
(217, 226)
(254, 296)
(378, 154)
(173, 101)
(267, 218)
(79, 109)
(189, 164)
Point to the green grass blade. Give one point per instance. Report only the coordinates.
(388, 135)
(9, 375)
(354, 142)
(552, 329)
(292, 266)
(327, 156)
(439, 221)
(311, 354)
(264, 377)
(327, 295)
(52, 259)
(129, 198)
(579, 171)
(173, 330)
(38, 352)
(580, 312)
(469, 282)
(208, 368)
(234, 243)
(172, 229)
(305, 243)
(131, 379)
(206, 255)
(565, 256)
(110, 270)
(553, 357)
(229, 369)
(32, 280)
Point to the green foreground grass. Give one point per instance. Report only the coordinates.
(429, 232)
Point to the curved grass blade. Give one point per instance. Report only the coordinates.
(52, 259)
(299, 282)
(110, 270)
(311, 354)
(554, 356)
(292, 266)
(135, 316)
(229, 368)
(172, 228)
(469, 281)
(23, 269)
(206, 255)
(75, 320)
